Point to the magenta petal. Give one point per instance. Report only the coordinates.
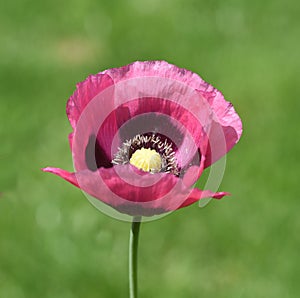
(192, 175)
(138, 116)
(198, 194)
(168, 194)
(124, 189)
(151, 97)
(151, 87)
(84, 93)
(70, 137)
(70, 177)
(129, 184)
(226, 128)
(161, 69)
(224, 111)
(225, 118)
(146, 115)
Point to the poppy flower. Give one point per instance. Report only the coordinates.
(144, 133)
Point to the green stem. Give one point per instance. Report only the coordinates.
(133, 256)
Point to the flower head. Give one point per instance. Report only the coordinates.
(144, 133)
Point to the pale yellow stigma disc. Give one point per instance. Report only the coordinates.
(147, 160)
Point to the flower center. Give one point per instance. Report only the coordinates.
(149, 152)
(147, 160)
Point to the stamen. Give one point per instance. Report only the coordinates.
(141, 149)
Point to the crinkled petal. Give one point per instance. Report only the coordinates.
(152, 96)
(224, 115)
(132, 195)
(161, 69)
(198, 194)
(225, 129)
(138, 116)
(84, 93)
(164, 85)
(70, 177)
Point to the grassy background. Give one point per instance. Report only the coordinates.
(53, 243)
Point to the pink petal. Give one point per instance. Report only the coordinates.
(138, 116)
(84, 93)
(226, 128)
(121, 96)
(198, 194)
(224, 113)
(70, 177)
(70, 137)
(161, 69)
(168, 194)
(153, 96)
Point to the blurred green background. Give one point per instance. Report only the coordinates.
(53, 243)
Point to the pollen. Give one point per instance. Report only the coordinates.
(147, 160)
